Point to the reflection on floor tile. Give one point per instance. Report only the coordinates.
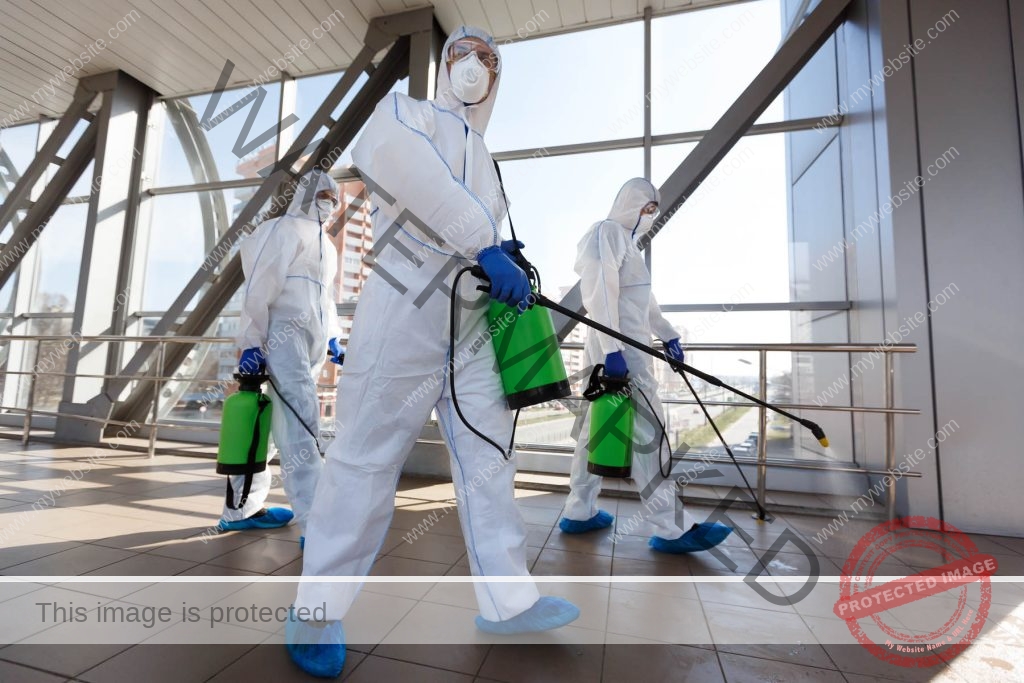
(145, 518)
(740, 668)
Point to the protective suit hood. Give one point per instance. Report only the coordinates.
(478, 115)
(635, 194)
(303, 203)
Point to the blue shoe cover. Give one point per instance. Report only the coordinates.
(302, 542)
(268, 518)
(547, 613)
(602, 520)
(317, 650)
(700, 537)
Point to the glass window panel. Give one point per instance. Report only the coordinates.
(555, 200)
(59, 251)
(206, 380)
(730, 241)
(19, 144)
(577, 87)
(311, 91)
(793, 377)
(703, 60)
(7, 295)
(17, 149)
(53, 358)
(83, 186)
(179, 240)
(222, 137)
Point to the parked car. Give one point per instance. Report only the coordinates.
(748, 446)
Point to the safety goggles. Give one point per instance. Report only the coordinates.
(651, 209)
(461, 49)
(329, 197)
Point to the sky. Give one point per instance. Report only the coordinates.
(728, 244)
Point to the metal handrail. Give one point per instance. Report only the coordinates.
(111, 338)
(796, 348)
(888, 410)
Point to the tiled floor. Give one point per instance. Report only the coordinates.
(123, 514)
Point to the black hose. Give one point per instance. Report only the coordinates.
(664, 437)
(761, 512)
(506, 454)
(302, 422)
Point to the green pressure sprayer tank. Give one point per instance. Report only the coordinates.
(610, 442)
(528, 355)
(245, 429)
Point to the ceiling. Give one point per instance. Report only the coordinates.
(179, 47)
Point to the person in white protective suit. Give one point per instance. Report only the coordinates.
(439, 206)
(616, 288)
(288, 324)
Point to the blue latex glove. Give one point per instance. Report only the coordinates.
(674, 349)
(615, 365)
(511, 246)
(336, 351)
(252, 362)
(509, 283)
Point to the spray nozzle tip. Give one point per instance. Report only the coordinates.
(818, 432)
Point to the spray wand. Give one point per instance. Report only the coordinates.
(679, 366)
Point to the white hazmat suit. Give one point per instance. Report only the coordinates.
(616, 288)
(289, 311)
(428, 167)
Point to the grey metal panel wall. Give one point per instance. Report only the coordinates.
(903, 260)
(974, 226)
(861, 201)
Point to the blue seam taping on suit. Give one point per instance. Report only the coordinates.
(303, 277)
(487, 214)
(450, 432)
(600, 257)
(471, 545)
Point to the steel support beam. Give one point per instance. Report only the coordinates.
(108, 245)
(222, 281)
(791, 57)
(424, 61)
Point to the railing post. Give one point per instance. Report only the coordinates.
(30, 404)
(890, 437)
(156, 398)
(762, 432)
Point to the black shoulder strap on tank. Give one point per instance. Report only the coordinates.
(595, 388)
(501, 186)
(254, 445)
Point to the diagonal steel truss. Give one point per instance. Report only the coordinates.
(38, 212)
(221, 274)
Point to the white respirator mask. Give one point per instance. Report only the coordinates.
(470, 79)
(325, 207)
(644, 225)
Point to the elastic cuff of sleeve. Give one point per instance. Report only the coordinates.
(487, 250)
